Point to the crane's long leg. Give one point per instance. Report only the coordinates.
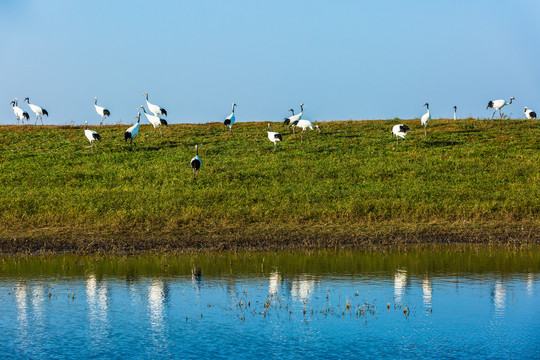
(160, 133)
(425, 130)
(41, 118)
(275, 146)
(492, 116)
(36, 120)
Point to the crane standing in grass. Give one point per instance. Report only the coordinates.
(273, 137)
(426, 118)
(400, 131)
(154, 120)
(304, 125)
(529, 113)
(196, 162)
(91, 135)
(132, 132)
(292, 119)
(157, 110)
(38, 110)
(101, 111)
(455, 109)
(20, 114)
(498, 105)
(229, 120)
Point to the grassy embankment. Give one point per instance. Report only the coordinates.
(467, 181)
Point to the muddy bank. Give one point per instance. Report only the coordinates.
(82, 241)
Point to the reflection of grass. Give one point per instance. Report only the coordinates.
(345, 185)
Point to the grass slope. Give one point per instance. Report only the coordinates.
(468, 180)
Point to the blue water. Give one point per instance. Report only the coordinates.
(390, 314)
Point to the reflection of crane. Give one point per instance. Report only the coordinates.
(530, 282)
(196, 278)
(273, 282)
(498, 295)
(427, 290)
(400, 281)
(302, 288)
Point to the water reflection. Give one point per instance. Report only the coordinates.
(273, 282)
(302, 288)
(244, 312)
(427, 290)
(530, 283)
(400, 282)
(156, 298)
(498, 295)
(38, 300)
(97, 299)
(21, 299)
(196, 279)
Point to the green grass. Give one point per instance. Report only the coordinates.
(349, 179)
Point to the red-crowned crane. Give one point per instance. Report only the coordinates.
(157, 110)
(498, 105)
(426, 118)
(291, 120)
(196, 162)
(305, 124)
(101, 111)
(273, 137)
(455, 109)
(400, 131)
(132, 132)
(91, 135)
(229, 120)
(20, 114)
(38, 110)
(154, 120)
(529, 113)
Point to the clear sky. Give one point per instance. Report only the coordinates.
(344, 59)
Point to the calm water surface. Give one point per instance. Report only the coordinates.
(445, 303)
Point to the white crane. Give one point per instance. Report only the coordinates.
(91, 135)
(273, 137)
(529, 113)
(455, 109)
(400, 131)
(132, 132)
(305, 124)
(229, 120)
(196, 162)
(101, 111)
(38, 110)
(154, 120)
(157, 110)
(498, 105)
(20, 114)
(426, 118)
(291, 120)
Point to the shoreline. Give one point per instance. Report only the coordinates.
(122, 242)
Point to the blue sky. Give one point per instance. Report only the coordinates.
(343, 59)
